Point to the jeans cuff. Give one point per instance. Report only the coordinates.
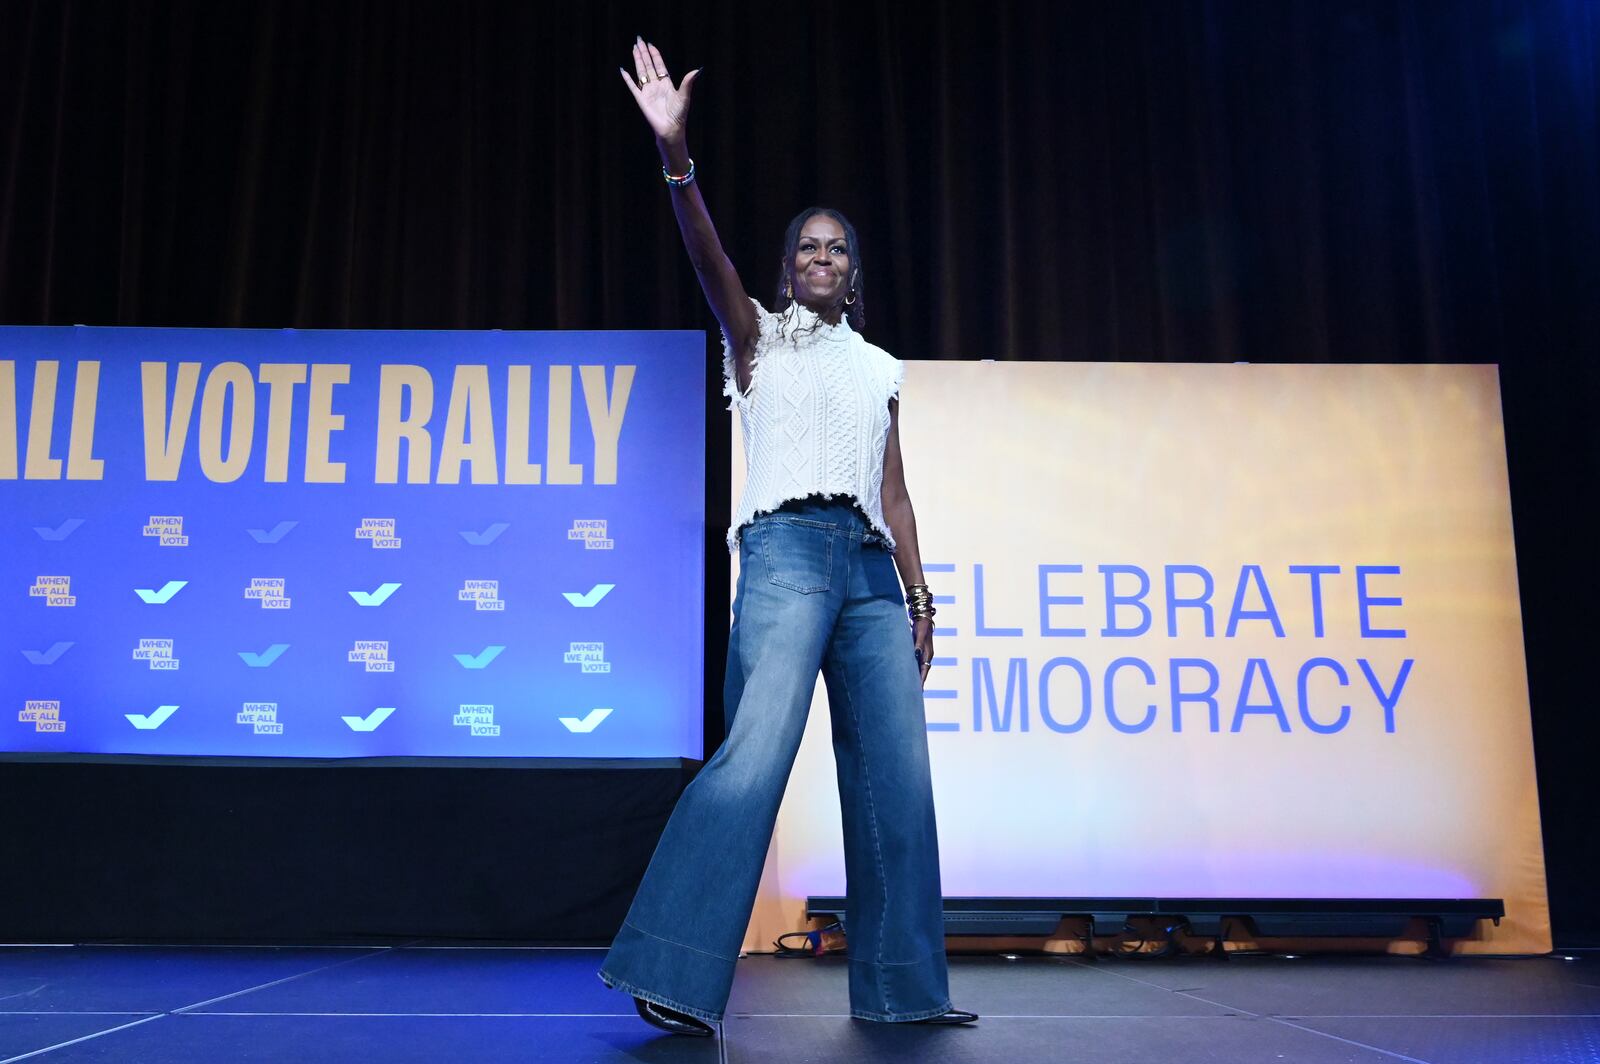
(660, 999)
(901, 1017)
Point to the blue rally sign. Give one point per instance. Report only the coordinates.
(352, 544)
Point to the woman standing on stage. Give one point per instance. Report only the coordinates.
(822, 524)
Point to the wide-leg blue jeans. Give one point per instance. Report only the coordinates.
(817, 590)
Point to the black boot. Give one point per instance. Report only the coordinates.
(671, 1020)
(953, 1016)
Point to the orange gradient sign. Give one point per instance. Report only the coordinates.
(1231, 631)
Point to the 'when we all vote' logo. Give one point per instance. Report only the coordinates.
(271, 593)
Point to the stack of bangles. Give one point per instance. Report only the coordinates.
(919, 602)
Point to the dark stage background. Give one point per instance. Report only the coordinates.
(1294, 181)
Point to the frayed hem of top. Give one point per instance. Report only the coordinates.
(733, 533)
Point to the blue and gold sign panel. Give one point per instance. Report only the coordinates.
(351, 544)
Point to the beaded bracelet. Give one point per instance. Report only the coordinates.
(676, 181)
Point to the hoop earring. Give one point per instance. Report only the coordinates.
(850, 300)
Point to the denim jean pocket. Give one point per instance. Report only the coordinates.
(799, 556)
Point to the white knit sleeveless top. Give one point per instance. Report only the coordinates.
(816, 417)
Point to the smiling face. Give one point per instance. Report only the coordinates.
(821, 270)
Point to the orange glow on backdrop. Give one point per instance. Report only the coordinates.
(1211, 631)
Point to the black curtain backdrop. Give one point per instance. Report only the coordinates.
(1296, 181)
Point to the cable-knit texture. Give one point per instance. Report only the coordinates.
(815, 418)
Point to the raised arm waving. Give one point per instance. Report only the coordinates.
(667, 110)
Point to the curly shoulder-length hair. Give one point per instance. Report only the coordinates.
(856, 311)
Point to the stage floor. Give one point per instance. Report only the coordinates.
(486, 1005)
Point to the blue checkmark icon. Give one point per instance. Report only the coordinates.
(279, 530)
(487, 536)
(265, 658)
(65, 529)
(587, 723)
(590, 597)
(481, 659)
(47, 657)
(153, 721)
(375, 598)
(163, 596)
(370, 721)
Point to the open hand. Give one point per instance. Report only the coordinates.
(664, 107)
